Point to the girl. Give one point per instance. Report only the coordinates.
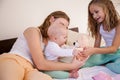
(104, 22)
(26, 56)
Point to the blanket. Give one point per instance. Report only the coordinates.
(88, 72)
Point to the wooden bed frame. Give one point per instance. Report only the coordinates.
(6, 45)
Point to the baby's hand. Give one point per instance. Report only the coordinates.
(88, 51)
(77, 51)
(76, 63)
(82, 57)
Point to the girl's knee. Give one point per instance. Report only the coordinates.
(114, 67)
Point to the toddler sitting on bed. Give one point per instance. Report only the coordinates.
(53, 51)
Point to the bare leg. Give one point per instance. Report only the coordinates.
(10, 70)
(36, 75)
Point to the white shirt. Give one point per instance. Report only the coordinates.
(53, 51)
(20, 48)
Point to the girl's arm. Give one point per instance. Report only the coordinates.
(116, 41)
(32, 36)
(115, 44)
(111, 49)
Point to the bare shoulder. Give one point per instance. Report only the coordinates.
(32, 32)
(31, 29)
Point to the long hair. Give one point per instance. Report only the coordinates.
(45, 25)
(111, 16)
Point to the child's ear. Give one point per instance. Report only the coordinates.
(52, 19)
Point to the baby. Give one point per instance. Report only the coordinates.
(53, 51)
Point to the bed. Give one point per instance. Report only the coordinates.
(84, 73)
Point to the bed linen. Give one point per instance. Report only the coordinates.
(89, 72)
(85, 40)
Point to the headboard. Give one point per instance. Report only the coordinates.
(6, 45)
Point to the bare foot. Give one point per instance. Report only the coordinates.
(74, 74)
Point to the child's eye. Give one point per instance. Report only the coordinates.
(96, 11)
(92, 14)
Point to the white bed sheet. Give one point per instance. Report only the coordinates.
(87, 73)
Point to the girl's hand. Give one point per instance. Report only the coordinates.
(82, 57)
(88, 51)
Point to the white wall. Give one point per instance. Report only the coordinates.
(17, 15)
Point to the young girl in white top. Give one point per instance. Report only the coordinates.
(104, 22)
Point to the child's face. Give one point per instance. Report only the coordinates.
(97, 13)
(61, 39)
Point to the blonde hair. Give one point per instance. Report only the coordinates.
(56, 30)
(111, 16)
(45, 25)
